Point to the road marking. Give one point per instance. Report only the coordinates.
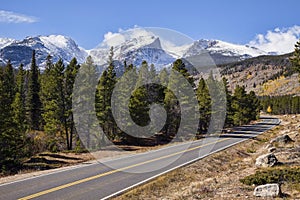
(184, 164)
(114, 171)
(169, 170)
(124, 168)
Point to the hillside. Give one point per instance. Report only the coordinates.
(219, 176)
(266, 75)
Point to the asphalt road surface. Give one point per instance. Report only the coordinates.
(103, 180)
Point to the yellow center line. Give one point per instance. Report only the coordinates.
(112, 172)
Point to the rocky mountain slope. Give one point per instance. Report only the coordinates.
(57, 46)
(266, 75)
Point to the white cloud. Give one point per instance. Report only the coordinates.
(280, 40)
(11, 17)
(113, 39)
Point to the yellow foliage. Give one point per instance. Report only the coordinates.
(269, 109)
(249, 76)
(272, 86)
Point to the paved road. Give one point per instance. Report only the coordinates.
(106, 179)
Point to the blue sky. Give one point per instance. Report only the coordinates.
(87, 21)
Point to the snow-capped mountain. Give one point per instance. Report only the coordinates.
(224, 48)
(57, 46)
(133, 46)
(136, 45)
(5, 41)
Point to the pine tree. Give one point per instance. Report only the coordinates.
(84, 104)
(19, 109)
(295, 59)
(179, 66)
(143, 75)
(103, 95)
(111, 82)
(229, 111)
(10, 137)
(49, 99)
(245, 106)
(122, 96)
(53, 100)
(163, 77)
(70, 75)
(204, 100)
(33, 106)
(9, 83)
(139, 107)
(7, 96)
(253, 105)
(175, 107)
(103, 101)
(152, 73)
(239, 106)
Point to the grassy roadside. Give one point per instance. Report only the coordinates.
(218, 176)
(47, 162)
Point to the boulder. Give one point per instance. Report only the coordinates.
(284, 139)
(268, 190)
(272, 149)
(266, 160)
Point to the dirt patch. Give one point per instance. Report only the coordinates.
(48, 162)
(218, 176)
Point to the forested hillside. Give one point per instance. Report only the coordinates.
(266, 75)
(274, 79)
(37, 106)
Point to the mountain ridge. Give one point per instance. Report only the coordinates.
(134, 46)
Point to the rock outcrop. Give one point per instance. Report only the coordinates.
(284, 139)
(268, 190)
(266, 160)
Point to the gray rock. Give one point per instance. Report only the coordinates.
(266, 160)
(272, 149)
(268, 190)
(284, 139)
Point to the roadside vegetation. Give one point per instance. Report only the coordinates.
(231, 174)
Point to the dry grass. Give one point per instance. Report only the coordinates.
(48, 162)
(218, 176)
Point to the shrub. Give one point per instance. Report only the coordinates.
(276, 175)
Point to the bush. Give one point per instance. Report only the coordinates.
(277, 175)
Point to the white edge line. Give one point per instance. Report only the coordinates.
(68, 168)
(82, 165)
(181, 165)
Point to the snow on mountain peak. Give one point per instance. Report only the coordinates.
(137, 36)
(57, 41)
(58, 46)
(125, 42)
(5, 41)
(223, 48)
(238, 49)
(160, 46)
(155, 45)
